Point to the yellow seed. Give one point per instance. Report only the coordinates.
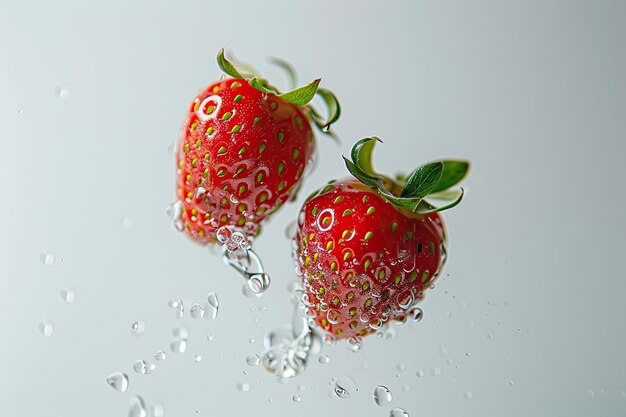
(347, 255)
(381, 274)
(368, 235)
(227, 115)
(210, 130)
(281, 185)
(397, 279)
(333, 266)
(326, 221)
(336, 301)
(353, 325)
(307, 261)
(350, 295)
(329, 245)
(347, 213)
(367, 263)
(371, 210)
(338, 199)
(235, 129)
(281, 137)
(221, 151)
(261, 148)
(236, 84)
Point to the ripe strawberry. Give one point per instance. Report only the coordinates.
(243, 150)
(367, 248)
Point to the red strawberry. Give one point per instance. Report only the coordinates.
(242, 152)
(368, 248)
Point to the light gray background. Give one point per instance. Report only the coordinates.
(532, 92)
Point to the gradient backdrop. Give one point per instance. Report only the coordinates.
(528, 318)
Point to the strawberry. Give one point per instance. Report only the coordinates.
(242, 152)
(368, 248)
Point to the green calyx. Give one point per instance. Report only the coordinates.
(298, 96)
(432, 180)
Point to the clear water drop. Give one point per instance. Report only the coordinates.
(382, 395)
(141, 367)
(196, 311)
(253, 360)
(69, 296)
(243, 386)
(419, 373)
(160, 355)
(259, 283)
(127, 222)
(137, 407)
(296, 398)
(344, 387)
(469, 395)
(398, 412)
(212, 305)
(178, 346)
(62, 91)
(46, 328)
(401, 367)
(323, 359)
(137, 328)
(177, 304)
(197, 358)
(415, 315)
(209, 337)
(47, 259)
(354, 343)
(180, 332)
(118, 381)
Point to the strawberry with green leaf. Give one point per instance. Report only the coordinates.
(243, 150)
(369, 246)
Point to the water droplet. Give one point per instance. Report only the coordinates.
(62, 91)
(197, 358)
(177, 304)
(415, 315)
(329, 339)
(243, 386)
(344, 387)
(468, 354)
(212, 305)
(301, 388)
(436, 371)
(354, 343)
(118, 381)
(46, 328)
(209, 337)
(157, 411)
(323, 359)
(141, 367)
(398, 412)
(419, 373)
(196, 311)
(47, 258)
(137, 407)
(406, 388)
(449, 361)
(251, 340)
(333, 316)
(160, 355)
(382, 395)
(175, 210)
(69, 296)
(253, 360)
(137, 328)
(259, 283)
(469, 395)
(127, 222)
(178, 346)
(401, 367)
(511, 383)
(489, 336)
(296, 398)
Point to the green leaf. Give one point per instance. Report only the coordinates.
(422, 180)
(259, 85)
(432, 209)
(332, 104)
(227, 66)
(303, 95)
(445, 195)
(453, 173)
(286, 66)
(362, 153)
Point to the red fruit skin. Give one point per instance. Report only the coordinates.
(240, 160)
(364, 258)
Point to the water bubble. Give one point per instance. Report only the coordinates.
(137, 407)
(344, 387)
(419, 373)
(141, 367)
(259, 283)
(323, 359)
(253, 360)
(178, 346)
(449, 361)
(47, 258)
(209, 337)
(69, 296)
(251, 340)
(118, 381)
(157, 411)
(398, 412)
(197, 358)
(469, 395)
(177, 304)
(354, 343)
(467, 354)
(160, 355)
(196, 311)
(382, 395)
(212, 305)
(46, 328)
(415, 315)
(436, 371)
(137, 328)
(243, 386)
(333, 316)
(62, 91)
(329, 339)
(296, 398)
(127, 222)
